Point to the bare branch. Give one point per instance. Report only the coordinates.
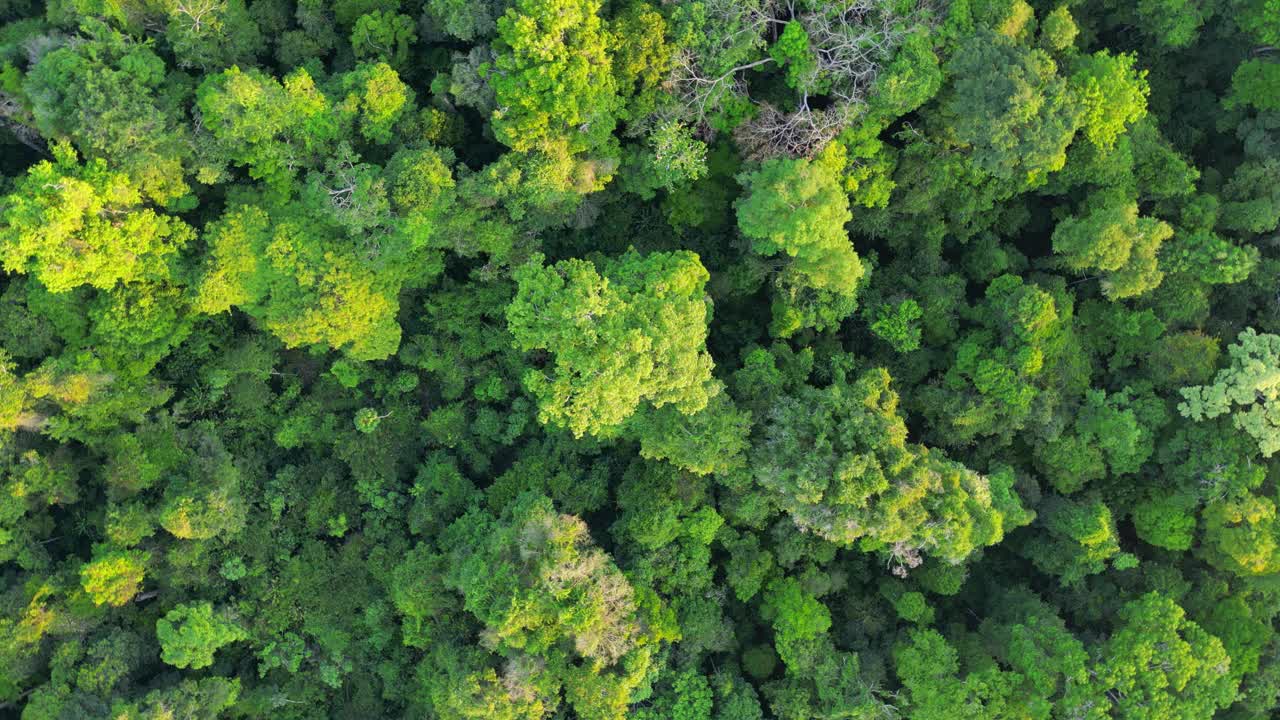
(800, 133)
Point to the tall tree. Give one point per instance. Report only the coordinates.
(633, 333)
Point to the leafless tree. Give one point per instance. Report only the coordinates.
(518, 674)
(851, 40)
(695, 81)
(904, 558)
(698, 90)
(798, 133)
(198, 15)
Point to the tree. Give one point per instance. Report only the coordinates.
(1058, 29)
(1183, 358)
(536, 583)
(1111, 238)
(348, 12)
(1250, 203)
(749, 564)
(1113, 95)
(271, 127)
(303, 280)
(895, 324)
(552, 76)
(213, 34)
(367, 419)
(1113, 433)
(1212, 480)
(464, 19)
(113, 577)
(432, 212)
(1160, 664)
(1256, 82)
(1081, 537)
(798, 207)
(203, 497)
(838, 461)
(72, 224)
(1175, 23)
(711, 440)
(1251, 381)
(136, 326)
(1258, 18)
(1242, 534)
(108, 95)
(376, 99)
(201, 699)
(792, 51)
(189, 635)
(642, 61)
(1004, 368)
(1010, 107)
(797, 617)
(634, 333)
(1208, 257)
(1119, 337)
(1167, 520)
(564, 569)
(1026, 635)
(383, 37)
(929, 669)
(71, 397)
(688, 697)
(675, 157)
(717, 42)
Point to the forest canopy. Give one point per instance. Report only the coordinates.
(640, 359)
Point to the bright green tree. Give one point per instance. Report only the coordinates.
(799, 208)
(303, 280)
(1110, 238)
(1113, 95)
(1161, 664)
(632, 332)
(113, 577)
(189, 635)
(376, 99)
(272, 127)
(797, 617)
(552, 76)
(72, 224)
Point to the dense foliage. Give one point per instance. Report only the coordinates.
(649, 359)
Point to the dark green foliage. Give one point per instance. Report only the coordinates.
(1009, 106)
(839, 462)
